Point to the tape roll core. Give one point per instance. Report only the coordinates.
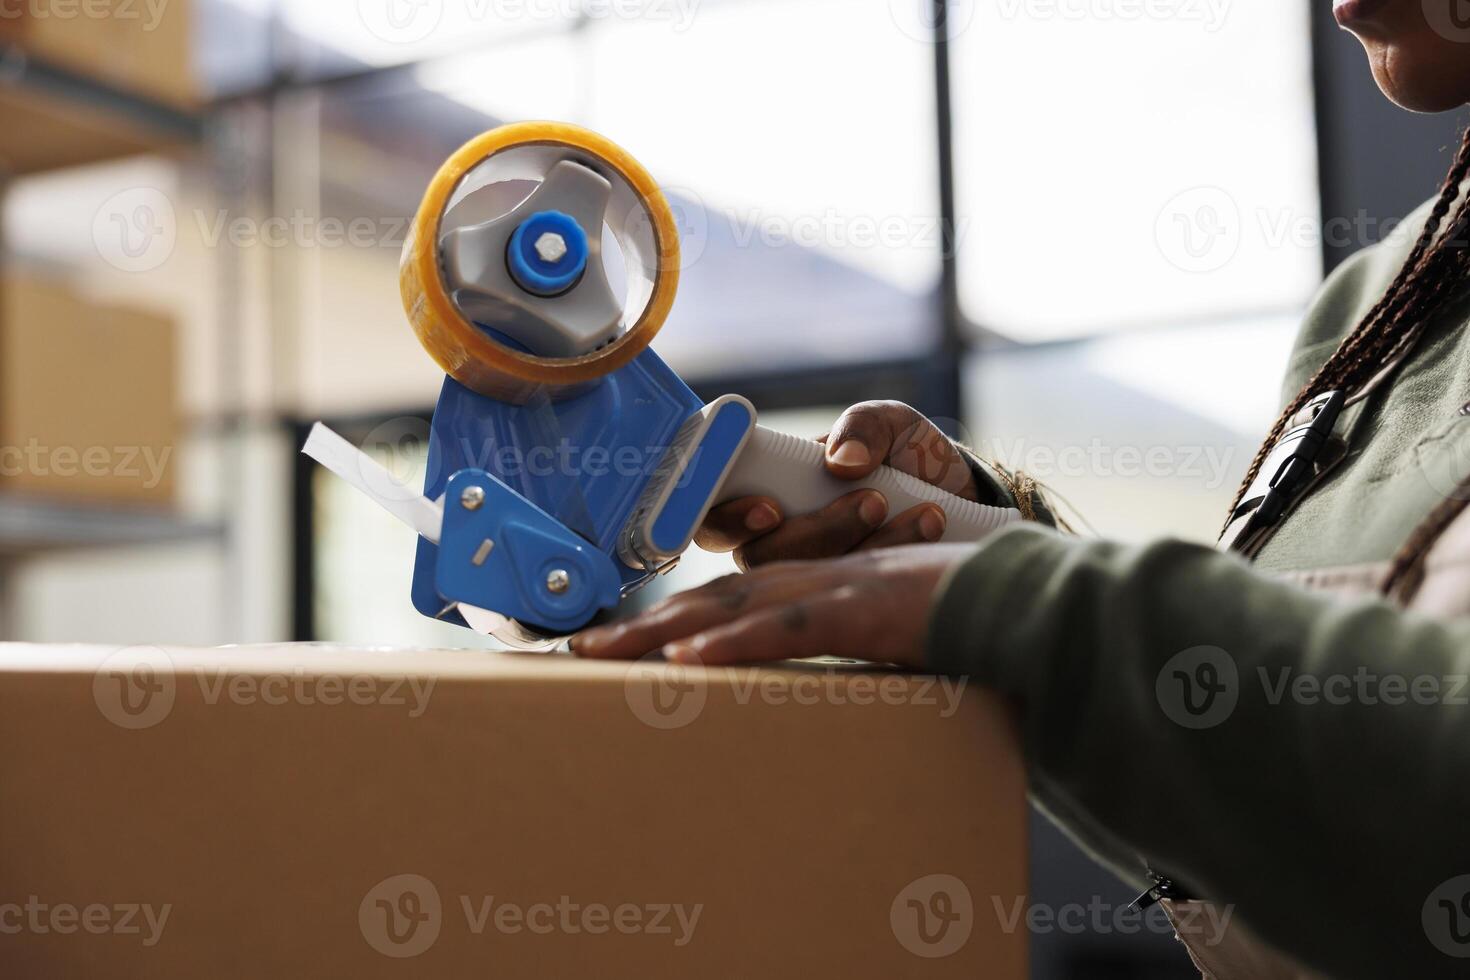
(464, 350)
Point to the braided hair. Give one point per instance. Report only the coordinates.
(1438, 263)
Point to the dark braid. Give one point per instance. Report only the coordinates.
(1423, 538)
(1436, 265)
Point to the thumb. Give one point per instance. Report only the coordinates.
(873, 433)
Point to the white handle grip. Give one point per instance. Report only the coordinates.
(794, 473)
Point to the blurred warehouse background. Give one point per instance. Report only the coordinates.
(1079, 231)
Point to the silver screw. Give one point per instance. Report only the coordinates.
(551, 247)
(472, 498)
(558, 581)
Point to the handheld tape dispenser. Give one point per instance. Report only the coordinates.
(568, 465)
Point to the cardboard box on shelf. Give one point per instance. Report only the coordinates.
(88, 397)
(321, 811)
(141, 46)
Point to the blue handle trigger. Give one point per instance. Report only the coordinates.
(500, 552)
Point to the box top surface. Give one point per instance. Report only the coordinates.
(330, 658)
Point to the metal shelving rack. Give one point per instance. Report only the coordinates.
(55, 119)
(58, 118)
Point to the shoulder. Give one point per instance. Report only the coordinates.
(1347, 296)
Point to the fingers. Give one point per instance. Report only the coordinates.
(840, 622)
(711, 605)
(918, 525)
(834, 530)
(732, 524)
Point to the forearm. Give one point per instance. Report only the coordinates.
(1357, 808)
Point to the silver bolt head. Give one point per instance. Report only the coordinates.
(551, 247)
(472, 498)
(558, 581)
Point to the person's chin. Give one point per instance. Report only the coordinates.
(1415, 82)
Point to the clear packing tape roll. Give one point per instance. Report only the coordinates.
(519, 155)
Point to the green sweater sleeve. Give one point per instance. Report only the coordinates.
(1303, 758)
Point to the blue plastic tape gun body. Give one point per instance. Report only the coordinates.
(568, 465)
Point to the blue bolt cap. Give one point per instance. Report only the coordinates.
(535, 274)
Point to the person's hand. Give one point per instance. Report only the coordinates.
(870, 606)
(864, 438)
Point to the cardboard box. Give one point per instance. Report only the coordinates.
(141, 46)
(323, 812)
(88, 397)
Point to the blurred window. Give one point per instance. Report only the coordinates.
(1118, 169)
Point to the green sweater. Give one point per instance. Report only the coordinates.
(1326, 821)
